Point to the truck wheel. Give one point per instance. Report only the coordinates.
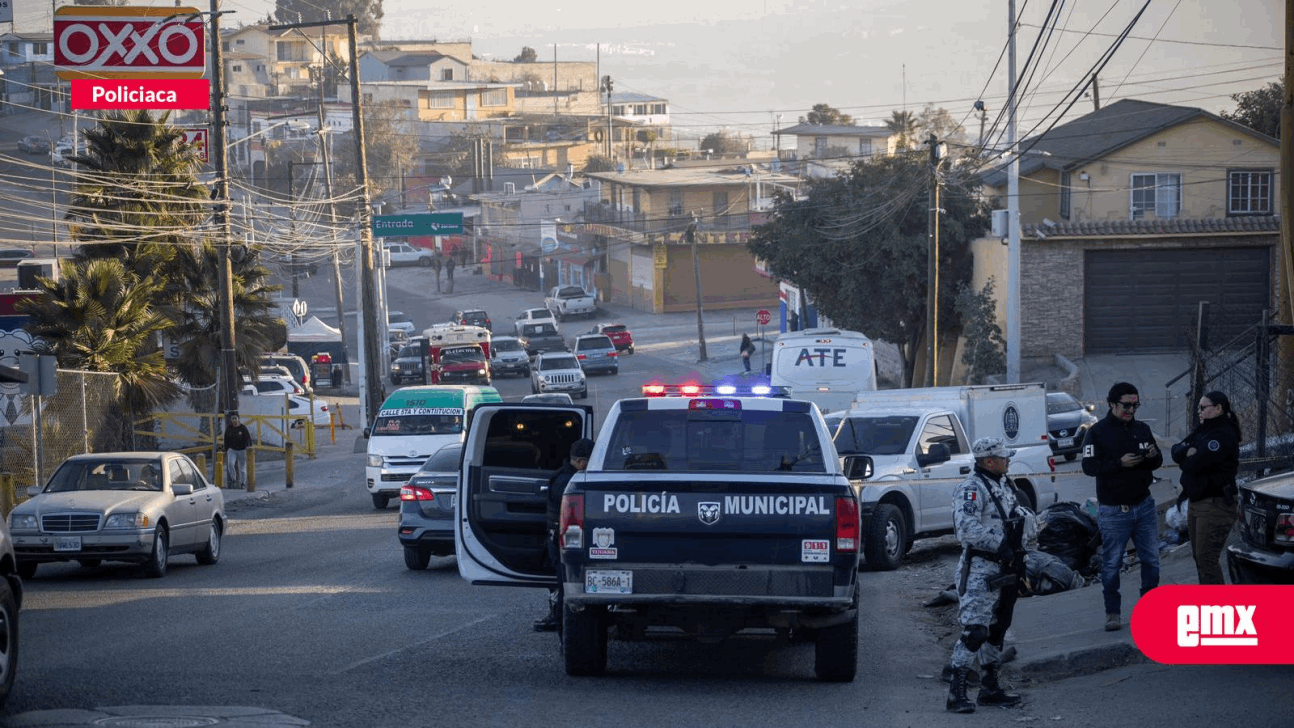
(380, 501)
(835, 657)
(1024, 494)
(416, 559)
(8, 639)
(584, 641)
(1069, 456)
(886, 538)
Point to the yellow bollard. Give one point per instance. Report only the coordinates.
(8, 499)
(218, 472)
(332, 424)
(201, 461)
(289, 463)
(251, 469)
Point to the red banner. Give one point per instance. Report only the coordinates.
(161, 93)
(129, 42)
(1216, 625)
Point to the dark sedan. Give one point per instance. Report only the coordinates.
(1067, 423)
(1264, 553)
(11, 257)
(34, 145)
(427, 508)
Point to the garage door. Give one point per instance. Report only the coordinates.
(1147, 300)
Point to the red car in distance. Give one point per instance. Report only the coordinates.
(619, 335)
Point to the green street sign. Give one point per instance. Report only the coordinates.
(432, 223)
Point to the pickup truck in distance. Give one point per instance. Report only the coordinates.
(699, 516)
(568, 301)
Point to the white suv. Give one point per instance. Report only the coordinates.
(558, 372)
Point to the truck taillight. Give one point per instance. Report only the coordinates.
(1051, 463)
(415, 493)
(847, 524)
(571, 525)
(1284, 532)
(581, 357)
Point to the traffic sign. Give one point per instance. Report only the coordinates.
(762, 317)
(197, 136)
(129, 42)
(433, 223)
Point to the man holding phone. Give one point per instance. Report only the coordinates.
(1120, 452)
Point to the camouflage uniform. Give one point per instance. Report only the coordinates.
(982, 608)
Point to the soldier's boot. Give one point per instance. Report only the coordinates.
(991, 692)
(957, 700)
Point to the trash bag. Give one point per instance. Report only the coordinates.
(1049, 575)
(1071, 534)
(1175, 517)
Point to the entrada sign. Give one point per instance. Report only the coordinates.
(433, 223)
(129, 42)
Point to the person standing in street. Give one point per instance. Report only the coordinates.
(581, 449)
(747, 350)
(1210, 458)
(1121, 454)
(449, 272)
(236, 441)
(435, 265)
(990, 527)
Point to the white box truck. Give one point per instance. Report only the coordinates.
(918, 443)
(827, 366)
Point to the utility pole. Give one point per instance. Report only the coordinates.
(554, 79)
(932, 270)
(1012, 215)
(696, 270)
(229, 378)
(1285, 307)
(372, 392)
(325, 146)
(1096, 94)
(607, 86)
(292, 215)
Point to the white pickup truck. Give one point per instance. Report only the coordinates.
(917, 442)
(568, 301)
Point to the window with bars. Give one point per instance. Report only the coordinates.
(447, 74)
(1159, 194)
(676, 203)
(864, 147)
(440, 101)
(494, 97)
(1249, 192)
(820, 146)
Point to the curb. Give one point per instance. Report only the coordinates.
(1080, 662)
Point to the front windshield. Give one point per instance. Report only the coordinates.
(1064, 403)
(506, 345)
(462, 354)
(419, 421)
(558, 362)
(106, 475)
(875, 435)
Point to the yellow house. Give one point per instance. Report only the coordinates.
(445, 100)
(1131, 216)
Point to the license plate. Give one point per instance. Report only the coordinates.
(1257, 521)
(608, 582)
(67, 543)
(1065, 442)
(453, 500)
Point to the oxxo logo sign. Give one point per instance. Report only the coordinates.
(1215, 625)
(126, 42)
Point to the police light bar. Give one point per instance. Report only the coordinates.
(699, 390)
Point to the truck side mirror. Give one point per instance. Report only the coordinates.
(365, 433)
(938, 453)
(858, 467)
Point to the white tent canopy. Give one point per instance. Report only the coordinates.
(314, 330)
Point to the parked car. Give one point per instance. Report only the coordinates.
(295, 364)
(473, 317)
(139, 507)
(300, 406)
(274, 385)
(401, 321)
(558, 372)
(33, 145)
(1264, 553)
(10, 606)
(533, 316)
(619, 335)
(548, 398)
(10, 257)
(508, 356)
(406, 254)
(596, 353)
(61, 154)
(426, 526)
(1067, 423)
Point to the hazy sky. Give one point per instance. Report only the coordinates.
(740, 63)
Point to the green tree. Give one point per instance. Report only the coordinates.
(823, 114)
(857, 243)
(100, 316)
(367, 12)
(985, 352)
(720, 142)
(903, 123)
(527, 55)
(599, 163)
(1260, 109)
(138, 195)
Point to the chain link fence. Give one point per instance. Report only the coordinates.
(83, 416)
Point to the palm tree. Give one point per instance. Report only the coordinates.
(99, 316)
(137, 192)
(903, 123)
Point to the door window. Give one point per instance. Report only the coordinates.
(939, 430)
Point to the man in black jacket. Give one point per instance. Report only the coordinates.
(580, 451)
(1121, 454)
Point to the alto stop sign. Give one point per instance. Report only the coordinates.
(763, 317)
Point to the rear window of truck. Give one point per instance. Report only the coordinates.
(715, 440)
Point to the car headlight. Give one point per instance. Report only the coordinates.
(375, 461)
(481, 370)
(23, 523)
(126, 520)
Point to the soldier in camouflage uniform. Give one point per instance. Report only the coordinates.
(991, 531)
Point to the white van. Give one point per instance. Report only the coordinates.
(828, 367)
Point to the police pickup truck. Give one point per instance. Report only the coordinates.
(700, 515)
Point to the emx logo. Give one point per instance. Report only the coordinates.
(1215, 625)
